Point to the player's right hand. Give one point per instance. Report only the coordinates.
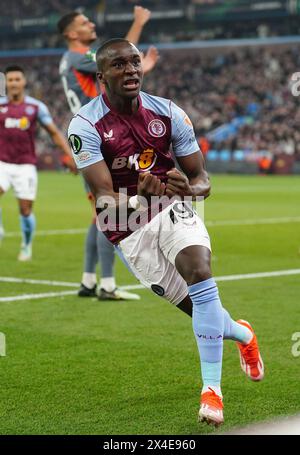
(141, 15)
(73, 168)
(150, 185)
(69, 163)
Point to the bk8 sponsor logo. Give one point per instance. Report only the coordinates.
(139, 161)
(22, 123)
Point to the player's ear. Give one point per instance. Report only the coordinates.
(100, 77)
(71, 35)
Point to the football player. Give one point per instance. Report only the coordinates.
(19, 115)
(78, 74)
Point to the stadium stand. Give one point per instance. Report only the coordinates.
(239, 101)
(238, 98)
(31, 24)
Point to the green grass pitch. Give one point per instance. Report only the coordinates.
(76, 366)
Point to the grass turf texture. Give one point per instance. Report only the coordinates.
(78, 366)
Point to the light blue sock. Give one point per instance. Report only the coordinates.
(208, 325)
(235, 331)
(90, 250)
(106, 255)
(27, 227)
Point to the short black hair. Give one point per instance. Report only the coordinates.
(66, 20)
(101, 52)
(11, 68)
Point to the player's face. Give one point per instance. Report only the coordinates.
(84, 30)
(122, 71)
(15, 83)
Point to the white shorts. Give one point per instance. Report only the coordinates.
(22, 177)
(151, 250)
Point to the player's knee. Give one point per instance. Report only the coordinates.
(25, 211)
(193, 272)
(193, 264)
(201, 273)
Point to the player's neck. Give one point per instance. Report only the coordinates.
(78, 46)
(16, 99)
(123, 106)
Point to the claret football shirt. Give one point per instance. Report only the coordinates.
(132, 143)
(17, 129)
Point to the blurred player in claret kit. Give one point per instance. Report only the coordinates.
(78, 74)
(19, 115)
(170, 253)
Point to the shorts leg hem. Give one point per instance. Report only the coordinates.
(184, 244)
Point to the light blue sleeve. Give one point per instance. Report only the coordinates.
(184, 141)
(84, 141)
(44, 115)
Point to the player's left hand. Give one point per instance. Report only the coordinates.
(177, 184)
(150, 59)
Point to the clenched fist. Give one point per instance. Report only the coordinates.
(150, 185)
(177, 184)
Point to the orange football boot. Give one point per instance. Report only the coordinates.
(250, 358)
(211, 410)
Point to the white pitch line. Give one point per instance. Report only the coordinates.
(49, 232)
(250, 222)
(45, 295)
(249, 276)
(30, 281)
(246, 276)
(8, 279)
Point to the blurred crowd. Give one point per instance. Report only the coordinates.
(252, 84)
(169, 33)
(26, 24)
(31, 8)
(163, 32)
